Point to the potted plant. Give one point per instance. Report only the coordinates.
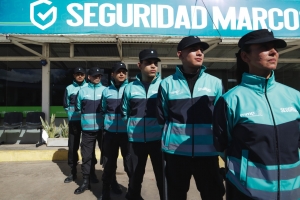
(55, 136)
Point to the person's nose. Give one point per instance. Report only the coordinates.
(153, 65)
(199, 52)
(273, 51)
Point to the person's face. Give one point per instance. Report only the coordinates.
(148, 67)
(79, 77)
(192, 56)
(95, 79)
(119, 75)
(261, 59)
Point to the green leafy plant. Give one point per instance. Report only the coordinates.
(64, 127)
(53, 131)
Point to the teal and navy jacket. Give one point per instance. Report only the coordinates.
(88, 103)
(186, 119)
(70, 99)
(138, 111)
(111, 108)
(257, 123)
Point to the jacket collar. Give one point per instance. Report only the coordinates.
(78, 85)
(123, 84)
(95, 85)
(180, 74)
(258, 83)
(157, 77)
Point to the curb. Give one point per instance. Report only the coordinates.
(37, 155)
(46, 155)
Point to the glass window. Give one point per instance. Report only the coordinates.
(20, 85)
(133, 70)
(289, 75)
(62, 76)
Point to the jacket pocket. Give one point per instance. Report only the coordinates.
(244, 167)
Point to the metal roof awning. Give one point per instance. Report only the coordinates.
(114, 47)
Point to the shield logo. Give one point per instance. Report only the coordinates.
(43, 17)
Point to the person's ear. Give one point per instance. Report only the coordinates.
(179, 54)
(245, 57)
(89, 77)
(139, 65)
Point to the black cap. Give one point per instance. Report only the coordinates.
(189, 41)
(95, 71)
(79, 70)
(118, 66)
(261, 36)
(148, 53)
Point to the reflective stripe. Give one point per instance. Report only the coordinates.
(139, 136)
(269, 173)
(262, 181)
(72, 115)
(189, 129)
(260, 194)
(91, 116)
(113, 128)
(92, 121)
(188, 148)
(90, 126)
(178, 139)
(139, 129)
(244, 165)
(113, 125)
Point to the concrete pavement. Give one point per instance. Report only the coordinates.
(40, 172)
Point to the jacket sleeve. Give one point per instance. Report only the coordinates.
(66, 100)
(162, 106)
(220, 91)
(222, 125)
(78, 102)
(103, 103)
(299, 134)
(125, 105)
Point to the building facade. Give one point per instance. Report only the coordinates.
(41, 41)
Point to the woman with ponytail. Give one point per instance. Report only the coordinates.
(257, 125)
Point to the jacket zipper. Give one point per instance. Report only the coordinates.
(94, 106)
(276, 136)
(117, 110)
(145, 116)
(193, 134)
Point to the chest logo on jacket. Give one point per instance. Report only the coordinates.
(258, 113)
(176, 92)
(135, 93)
(289, 109)
(204, 89)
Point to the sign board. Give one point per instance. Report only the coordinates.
(210, 18)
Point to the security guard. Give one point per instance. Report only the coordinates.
(144, 133)
(88, 103)
(74, 120)
(115, 134)
(185, 106)
(256, 124)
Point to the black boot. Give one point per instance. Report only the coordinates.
(115, 187)
(105, 192)
(93, 175)
(85, 185)
(72, 176)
